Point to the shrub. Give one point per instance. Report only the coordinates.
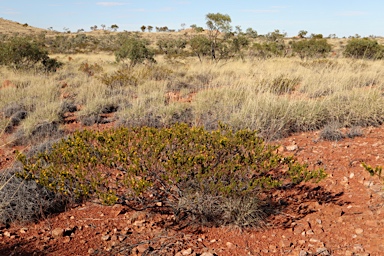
(171, 46)
(25, 200)
(311, 48)
(363, 48)
(135, 50)
(268, 50)
(24, 53)
(90, 70)
(168, 163)
(331, 132)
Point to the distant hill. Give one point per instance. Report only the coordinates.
(11, 27)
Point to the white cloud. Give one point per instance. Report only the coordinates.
(110, 3)
(352, 13)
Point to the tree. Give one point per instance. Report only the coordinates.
(217, 23)
(183, 26)
(149, 28)
(24, 53)
(143, 28)
(135, 50)
(200, 45)
(251, 33)
(238, 30)
(103, 26)
(302, 33)
(114, 27)
(94, 28)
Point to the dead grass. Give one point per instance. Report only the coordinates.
(241, 94)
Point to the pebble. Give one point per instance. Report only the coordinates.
(187, 251)
(359, 231)
(207, 254)
(105, 237)
(230, 245)
(57, 232)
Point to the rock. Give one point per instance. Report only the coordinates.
(213, 241)
(142, 248)
(58, 232)
(292, 148)
(91, 251)
(23, 230)
(105, 237)
(359, 231)
(322, 251)
(187, 251)
(230, 245)
(313, 240)
(309, 232)
(207, 254)
(301, 242)
(7, 234)
(303, 253)
(66, 239)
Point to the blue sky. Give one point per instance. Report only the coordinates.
(340, 17)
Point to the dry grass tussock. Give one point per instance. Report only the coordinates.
(275, 97)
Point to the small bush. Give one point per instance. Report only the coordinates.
(363, 48)
(90, 70)
(41, 132)
(331, 132)
(15, 120)
(25, 200)
(119, 78)
(267, 50)
(136, 50)
(12, 109)
(355, 131)
(171, 164)
(311, 48)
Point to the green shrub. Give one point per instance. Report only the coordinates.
(267, 50)
(169, 164)
(363, 48)
(136, 50)
(24, 53)
(311, 48)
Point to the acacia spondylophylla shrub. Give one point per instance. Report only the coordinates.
(164, 165)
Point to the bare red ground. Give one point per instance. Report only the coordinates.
(342, 215)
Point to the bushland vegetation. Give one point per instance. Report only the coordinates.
(195, 114)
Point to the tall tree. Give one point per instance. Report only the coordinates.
(217, 23)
